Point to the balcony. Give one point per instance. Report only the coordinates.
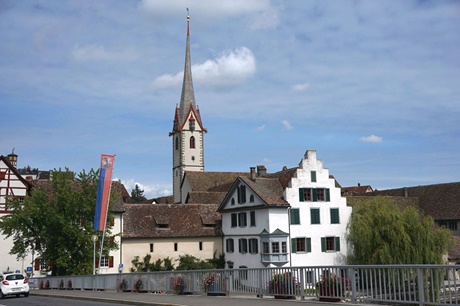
(274, 258)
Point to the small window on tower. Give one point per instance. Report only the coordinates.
(192, 142)
(177, 142)
(193, 158)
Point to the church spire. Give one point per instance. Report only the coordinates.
(187, 98)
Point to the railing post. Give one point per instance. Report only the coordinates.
(352, 273)
(302, 284)
(259, 272)
(421, 293)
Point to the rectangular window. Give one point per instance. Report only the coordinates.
(253, 246)
(330, 244)
(243, 245)
(320, 195)
(275, 247)
(200, 245)
(315, 216)
(305, 195)
(253, 218)
(151, 247)
(335, 216)
(266, 247)
(295, 216)
(242, 219)
(313, 176)
(104, 262)
(301, 245)
(230, 245)
(284, 247)
(175, 247)
(234, 220)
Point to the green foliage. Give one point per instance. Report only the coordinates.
(190, 262)
(186, 262)
(381, 232)
(137, 195)
(146, 266)
(56, 222)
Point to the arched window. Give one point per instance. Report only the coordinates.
(177, 142)
(192, 142)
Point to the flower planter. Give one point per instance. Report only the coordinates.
(327, 295)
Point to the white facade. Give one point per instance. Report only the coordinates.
(329, 227)
(293, 230)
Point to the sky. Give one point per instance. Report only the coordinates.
(372, 86)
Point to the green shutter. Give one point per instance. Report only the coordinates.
(253, 218)
(328, 195)
(335, 216)
(315, 195)
(293, 245)
(301, 195)
(309, 245)
(323, 244)
(313, 176)
(315, 217)
(295, 218)
(337, 244)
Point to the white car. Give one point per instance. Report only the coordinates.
(13, 284)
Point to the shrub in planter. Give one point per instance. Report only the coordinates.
(284, 284)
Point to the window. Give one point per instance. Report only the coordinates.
(104, 262)
(241, 192)
(295, 216)
(251, 198)
(315, 216)
(151, 247)
(335, 216)
(452, 225)
(314, 194)
(234, 220)
(330, 244)
(313, 176)
(233, 201)
(301, 245)
(266, 247)
(283, 247)
(253, 218)
(253, 246)
(192, 142)
(191, 124)
(200, 245)
(230, 245)
(242, 219)
(275, 247)
(177, 142)
(175, 247)
(243, 245)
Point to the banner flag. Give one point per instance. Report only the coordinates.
(103, 192)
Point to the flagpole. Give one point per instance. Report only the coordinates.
(106, 213)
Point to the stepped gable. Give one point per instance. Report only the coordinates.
(171, 220)
(440, 201)
(270, 190)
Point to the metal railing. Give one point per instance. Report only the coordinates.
(402, 284)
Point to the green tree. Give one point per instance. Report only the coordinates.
(137, 195)
(381, 232)
(56, 222)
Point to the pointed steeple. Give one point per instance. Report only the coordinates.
(187, 98)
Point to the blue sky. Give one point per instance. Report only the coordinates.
(373, 86)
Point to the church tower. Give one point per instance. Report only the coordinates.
(187, 133)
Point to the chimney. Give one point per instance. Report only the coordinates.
(13, 159)
(261, 170)
(359, 185)
(253, 173)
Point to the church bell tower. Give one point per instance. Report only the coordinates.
(187, 133)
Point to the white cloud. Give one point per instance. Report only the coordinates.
(98, 52)
(287, 125)
(150, 191)
(371, 139)
(231, 68)
(261, 128)
(300, 87)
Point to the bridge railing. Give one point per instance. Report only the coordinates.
(401, 284)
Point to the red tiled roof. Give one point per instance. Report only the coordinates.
(182, 220)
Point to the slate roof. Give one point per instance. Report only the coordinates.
(182, 220)
(440, 201)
